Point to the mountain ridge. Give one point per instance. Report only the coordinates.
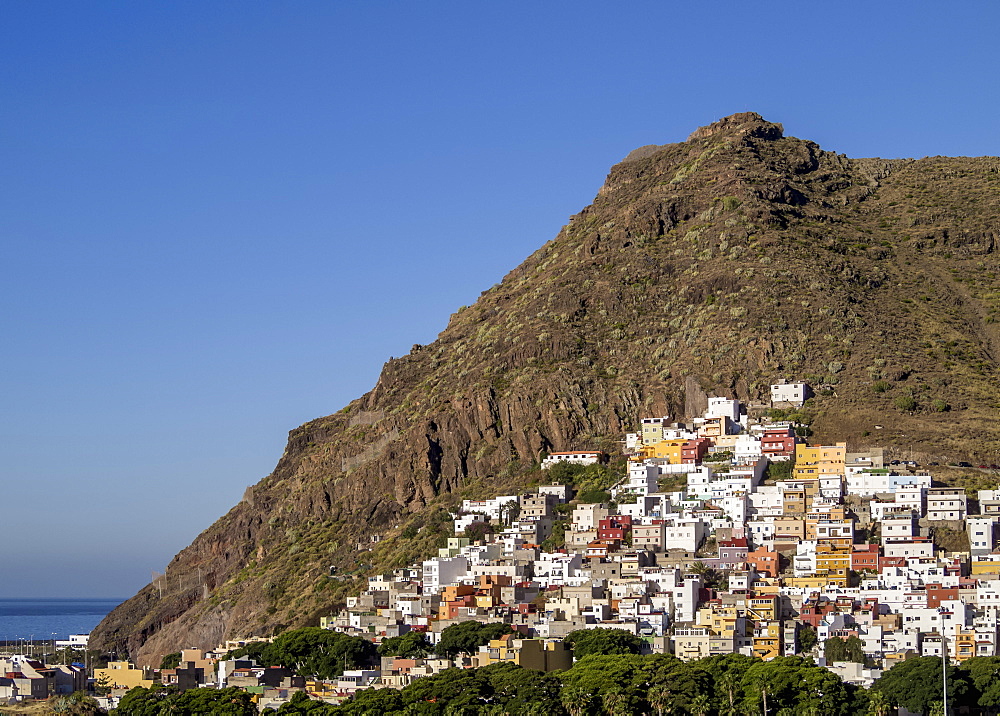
(717, 264)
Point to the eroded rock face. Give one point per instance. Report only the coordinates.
(715, 265)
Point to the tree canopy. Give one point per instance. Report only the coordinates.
(916, 684)
(467, 637)
(221, 702)
(602, 641)
(312, 651)
(411, 645)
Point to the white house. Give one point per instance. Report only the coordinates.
(946, 503)
(723, 408)
(440, 572)
(491, 508)
(464, 522)
(575, 457)
(981, 531)
(686, 535)
(792, 394)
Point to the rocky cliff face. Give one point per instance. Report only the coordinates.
(717, 265)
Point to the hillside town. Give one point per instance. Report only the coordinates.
(726, 535)
(701, 551)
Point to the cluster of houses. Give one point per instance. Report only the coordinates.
(24, 677)
(727, 534)
(271, 686)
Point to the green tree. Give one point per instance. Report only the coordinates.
(915, 683)
(710, 576)
(700, 705)
(171, 661)
(593, 497)
(726, 672)
(456, 689)
(76, 704)
(218, 702)
(321, 653)
(854, 650)
(602, 641)
(984, 671)
(807, 637)
(103, 685)
(141, 701)
(373, 702)
(620, 702)
(518, 690)
(576, 700)
(255, 650)
(599, 674)
(835, 649)
(791, 682)
(878, 704)
(411, 645)
(780, 470)
(300, 703)
(466, 637)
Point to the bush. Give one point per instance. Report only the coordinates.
(171, 661)
(940, 406)
(779, 470)
(880, 386)
(591, 497)
(905, 402)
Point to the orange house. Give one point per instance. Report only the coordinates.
(764, 561)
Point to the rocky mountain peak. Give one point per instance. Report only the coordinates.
(717, 266)
(745, 124)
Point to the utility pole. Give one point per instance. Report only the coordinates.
(944, 671)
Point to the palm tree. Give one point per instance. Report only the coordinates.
(878, 704)
(729, 683)
(699, 705)
(576, 700)
(659, 698)
(616, 703)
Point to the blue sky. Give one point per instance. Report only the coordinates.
(219, 219)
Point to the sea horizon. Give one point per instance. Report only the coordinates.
(47, 618)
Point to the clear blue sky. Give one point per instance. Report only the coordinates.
(219, 219)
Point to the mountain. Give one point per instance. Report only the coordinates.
(715, 265)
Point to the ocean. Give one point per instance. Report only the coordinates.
(43, 619)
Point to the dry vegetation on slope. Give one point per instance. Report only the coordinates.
(718, 264)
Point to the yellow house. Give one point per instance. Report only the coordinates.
(725, 621)
(964, 644)
(766, 639)
(712, 427)
(767, 586)
(665, 449)
(820, 460)
(986, 564)
(833, 563)
(123, 675)
(817, 582)
(763, 608)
